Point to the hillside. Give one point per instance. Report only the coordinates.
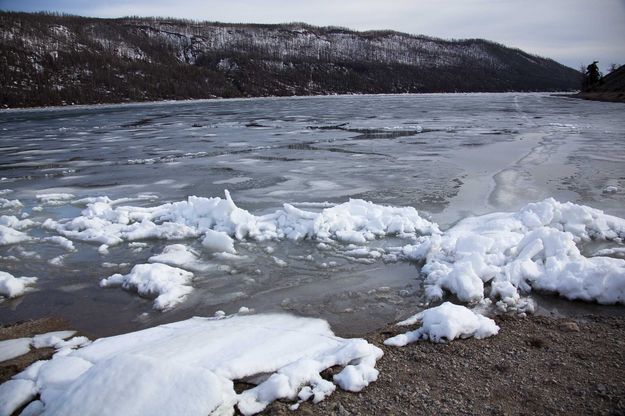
(50, 60)
(610, 88)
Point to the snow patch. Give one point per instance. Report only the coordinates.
(10, 236)
(189, 367)
(534, 248)
(12, 287)
(168, 284)
(445, 323)
(12, 348)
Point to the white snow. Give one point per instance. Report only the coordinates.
(279, 262)
(179, 255)
(12, 287)
(10, 204)
(14, 394)
(355, 221)
(445, 323)
(62, 241)
(10, 236)
(51, 339)
(12, 348)
(534, 248)
(12, 221)
(103, 249)
(188, 367)
(169, 284)
(218, 241)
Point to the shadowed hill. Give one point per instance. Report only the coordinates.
(610, 88)
(52, 59)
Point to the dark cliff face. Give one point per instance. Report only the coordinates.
(52, 60)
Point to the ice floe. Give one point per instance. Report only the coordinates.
(12, 221)
(62, 241)
(189, 367)
(10, 204)
(169, 284)
(12, 348)
(9, 235)
(12, 287)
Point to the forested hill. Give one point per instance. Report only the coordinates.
(50, 59)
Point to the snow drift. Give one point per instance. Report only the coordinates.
(189, 367)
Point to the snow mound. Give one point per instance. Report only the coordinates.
(168, 284)
(12, 287)
(534, 248)
(12, 221)
(10, 236)
(445, 323)
(11, 204)
(356, 221)
(189, 367)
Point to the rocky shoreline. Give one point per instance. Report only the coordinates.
(536, 365)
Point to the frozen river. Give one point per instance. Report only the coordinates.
(449, 156)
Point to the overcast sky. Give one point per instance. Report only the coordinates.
(570, 31)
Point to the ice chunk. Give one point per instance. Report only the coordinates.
(11, 286)
(10, 236)
(179, 255)
(10, 204)
(218, 241)
(446, 323)
(279, 262)
(14, 394)
(12, 348)
(50, 339)
(62, 241)
(168, 284)
(12, 221)
(34, 408)
(536, 247)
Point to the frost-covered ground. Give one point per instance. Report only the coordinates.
(84, 195)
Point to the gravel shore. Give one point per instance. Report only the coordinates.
(536, 365)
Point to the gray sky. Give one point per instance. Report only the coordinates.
(570, 31)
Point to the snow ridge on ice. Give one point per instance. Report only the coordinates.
(189, 367)
(355, 221)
